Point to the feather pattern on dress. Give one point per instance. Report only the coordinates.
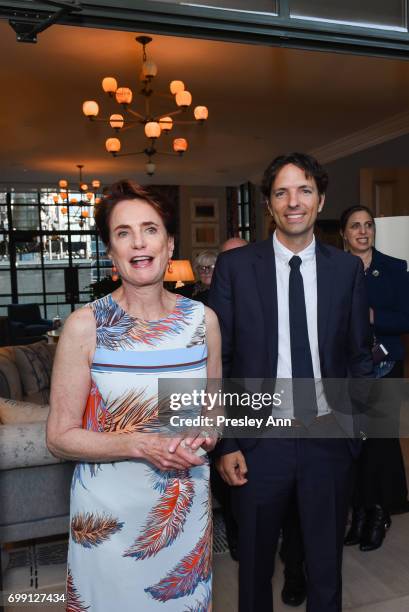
(166, 519)
(89, 529)
(194, 568)
(199, 335)
(74, 603)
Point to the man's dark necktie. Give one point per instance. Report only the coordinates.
(304, 396)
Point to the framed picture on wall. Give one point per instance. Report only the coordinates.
(204, 209)
(205, 235)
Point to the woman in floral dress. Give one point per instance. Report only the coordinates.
(140, 524)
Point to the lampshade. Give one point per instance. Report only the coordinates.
(180, 145)
(123, 95)
(85, 214)
(113, 145)
(392, 236)
(109, 85)
(184, 98)
(64, 210)
(181, 271)
(96, 184)
(176, 86)
(152, 129)
(166, 124)
(83, 186)
(90, 108)
(201, 113)
(150, 168)
(149, 69)
(55, 198)
(116, 121)
(63, 184)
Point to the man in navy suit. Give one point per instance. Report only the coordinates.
(291, 307)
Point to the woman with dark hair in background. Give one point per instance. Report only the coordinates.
(140, 524)
(381, 483)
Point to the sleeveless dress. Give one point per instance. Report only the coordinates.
(140, 538)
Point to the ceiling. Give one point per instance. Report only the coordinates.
(262, 101)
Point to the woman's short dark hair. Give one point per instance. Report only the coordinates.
(350, 211)
(128, 190)
(303, 161)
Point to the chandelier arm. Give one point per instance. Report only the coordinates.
(105, 119)
(135, 114)
(128, 154)
(140, 119)
(172, 114)
(128, 127)
(172, 153)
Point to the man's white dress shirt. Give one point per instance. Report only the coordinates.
(308, 271)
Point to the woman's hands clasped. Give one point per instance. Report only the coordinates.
(176, 453)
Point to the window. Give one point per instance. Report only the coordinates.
(256, 6)
(40, 239)
(240, 212)
(367, 13)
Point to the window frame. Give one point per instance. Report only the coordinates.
(218, 24)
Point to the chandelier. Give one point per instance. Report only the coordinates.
(77, 207)
(154, 124)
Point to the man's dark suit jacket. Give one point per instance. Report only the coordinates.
(244, 296)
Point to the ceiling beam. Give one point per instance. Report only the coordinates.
(208, 23)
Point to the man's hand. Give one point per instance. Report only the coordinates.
(232, 468)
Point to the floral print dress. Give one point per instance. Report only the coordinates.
(140, 538)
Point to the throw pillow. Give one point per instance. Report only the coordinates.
(10, 382)
(34, 363)
(21, 412)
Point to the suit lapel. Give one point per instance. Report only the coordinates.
(265, 275)
(325, 276)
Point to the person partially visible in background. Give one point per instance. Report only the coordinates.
(380, 487)
(233, 243)
(203, 267)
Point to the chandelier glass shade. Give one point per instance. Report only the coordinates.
(154, 124)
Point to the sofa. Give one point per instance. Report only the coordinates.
(26, 324)
(34, 485)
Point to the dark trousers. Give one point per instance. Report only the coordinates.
(292, 545)
(319, 470)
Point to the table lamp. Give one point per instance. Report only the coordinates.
(180, 272)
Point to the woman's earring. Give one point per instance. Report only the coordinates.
(114, 273)
(170, 269)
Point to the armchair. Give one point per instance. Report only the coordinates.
(26, 323)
